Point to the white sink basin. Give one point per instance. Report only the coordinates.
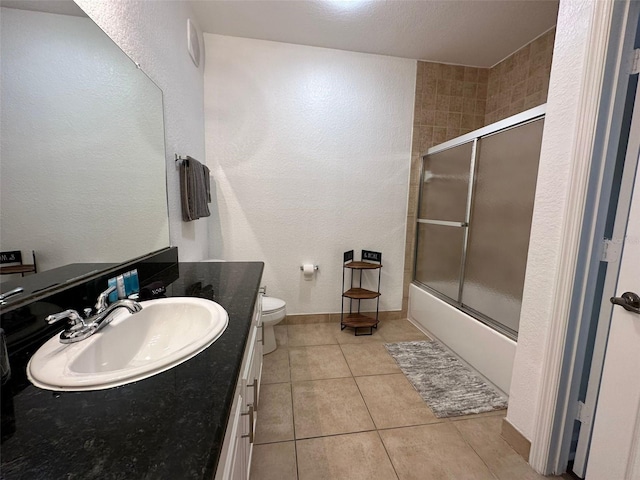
(132, 347)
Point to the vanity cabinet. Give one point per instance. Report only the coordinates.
(237, 448)
(187, 406)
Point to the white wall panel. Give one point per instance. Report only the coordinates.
(310, 152)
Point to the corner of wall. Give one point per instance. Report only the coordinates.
(562, 123)
(162, 54)
(513, 437)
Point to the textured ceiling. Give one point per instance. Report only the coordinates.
(61, 7)
(472, 32)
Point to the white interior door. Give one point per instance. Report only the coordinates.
(615, 445)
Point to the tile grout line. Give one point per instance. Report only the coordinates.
(365, 404)
(378, 374)
(280, 348)
(295, 452)
(350, 371)
(353, 377)
(474, 450)
(337, 340)
(437, 422)
(343, 346)
(314, 344)
(332, 377)
(272, 443)
(342, 434)
(376, 426)
(288, 358)
(399, 371)
(388, 456)
(293, 412)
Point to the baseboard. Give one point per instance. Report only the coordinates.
(513, 437)
(312, 318)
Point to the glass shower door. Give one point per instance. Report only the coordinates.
(506, 171)
(442, 219)
(474, 219)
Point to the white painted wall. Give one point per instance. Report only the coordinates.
(154, 34)
(310, 152)
(561, 124)
(70, 137)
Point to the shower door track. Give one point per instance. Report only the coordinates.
(482, 318)
(509, 122)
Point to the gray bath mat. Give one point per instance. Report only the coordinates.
(444, 382)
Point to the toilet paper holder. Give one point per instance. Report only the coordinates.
(315, 267)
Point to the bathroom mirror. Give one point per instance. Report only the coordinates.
(82, 158)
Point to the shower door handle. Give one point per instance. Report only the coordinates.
(629, 301)
(444, 223)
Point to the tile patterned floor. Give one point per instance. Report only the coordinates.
(336, 407)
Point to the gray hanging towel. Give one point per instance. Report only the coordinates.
(195, 189)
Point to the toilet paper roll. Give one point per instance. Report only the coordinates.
(307, 270)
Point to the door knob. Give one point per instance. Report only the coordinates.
(629, 301)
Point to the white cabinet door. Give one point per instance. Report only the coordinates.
(251, 383)
(244, 445)
(259, 349)
(231, 465)
(248, 377)
(235, 459)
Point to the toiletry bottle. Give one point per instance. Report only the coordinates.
(135, 282)
(120, 286)
(127, 284)
(113, 296)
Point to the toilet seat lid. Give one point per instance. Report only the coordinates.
(269, 304)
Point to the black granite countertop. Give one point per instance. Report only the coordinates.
(169, 426)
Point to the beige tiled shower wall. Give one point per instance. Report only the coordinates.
(452, 100)
(520, 81)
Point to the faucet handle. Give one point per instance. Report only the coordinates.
(101, 304)
(73, 317)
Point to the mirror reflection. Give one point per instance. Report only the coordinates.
(82, 161)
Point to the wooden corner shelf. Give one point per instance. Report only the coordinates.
(11, 263)
(363, 265)
(360, 294)
(11, 269)
(354, 319)
(358, 320)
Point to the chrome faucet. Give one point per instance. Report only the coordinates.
(101, 304)
(80, 328)
(10, 293)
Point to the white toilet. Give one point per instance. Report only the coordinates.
(273, 311)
